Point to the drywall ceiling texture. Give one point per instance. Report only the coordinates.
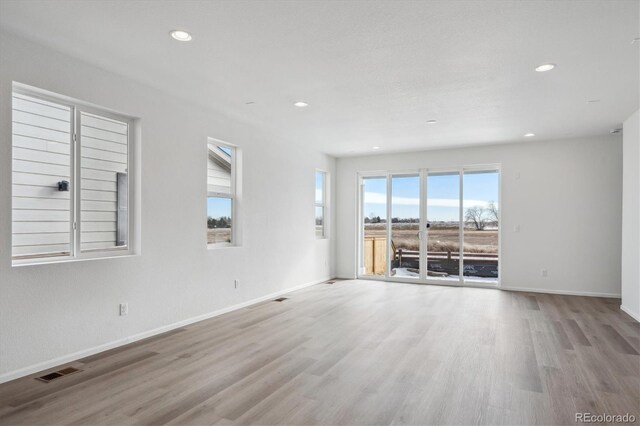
(51, 311)
(373, 72)
(631, 217)
(566, 196)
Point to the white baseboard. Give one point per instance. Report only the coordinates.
(45, 365)
(507, 288)
(564, 292)
(629, 312)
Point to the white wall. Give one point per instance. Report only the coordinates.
(565, 195)
(631, 217)
(51, 313)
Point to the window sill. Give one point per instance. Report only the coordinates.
(481, 283)
(50, 260)
(222, 246)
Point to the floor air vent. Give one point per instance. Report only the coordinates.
(280, 299)
(57, 374)
(68, 370)
(49, 377)
(331, 282)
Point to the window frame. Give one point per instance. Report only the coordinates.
(75, 223)
(424, 172)
(233, 193)
(323, 204)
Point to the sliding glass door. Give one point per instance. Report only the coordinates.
(443, 220)
(430, 226)
(374, 226)
(481, 223)
(405, 226)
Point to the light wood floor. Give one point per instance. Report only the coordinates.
(360, 352)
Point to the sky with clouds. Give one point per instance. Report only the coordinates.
(442, 195)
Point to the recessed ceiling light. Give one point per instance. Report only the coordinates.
(635, 40)
(180, 35)
(529, 135)
(432, 121)
(545, 67)
(301, 104)
(615, 131)
(376, 147)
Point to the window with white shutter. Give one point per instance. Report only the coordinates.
(70, 179)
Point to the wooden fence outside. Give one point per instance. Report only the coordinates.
(375, 255)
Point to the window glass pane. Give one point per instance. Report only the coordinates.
(41, 208)
(481, 225)
(405, 226)
(443, 219)
(374, 205)
(104, 221)
(219, 218)
(320, 176)
(319, 221)
(219, 169)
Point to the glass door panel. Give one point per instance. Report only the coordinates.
(374, 220)
(405, 226)
(443, 221)
(431, 226)
(480, 203)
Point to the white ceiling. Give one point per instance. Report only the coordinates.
(373, 72)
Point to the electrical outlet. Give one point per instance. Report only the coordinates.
(544, 272)
(124, 309)
(236, 283)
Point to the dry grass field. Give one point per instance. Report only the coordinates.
(218, 235)
(405, 236)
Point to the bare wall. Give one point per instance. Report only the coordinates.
(565, 195)
(48, 313)
(631, 217)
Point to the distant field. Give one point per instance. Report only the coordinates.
(405, 236)
(218, 235)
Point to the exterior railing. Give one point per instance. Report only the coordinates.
(375, 256)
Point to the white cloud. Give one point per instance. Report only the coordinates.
(378, 198)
